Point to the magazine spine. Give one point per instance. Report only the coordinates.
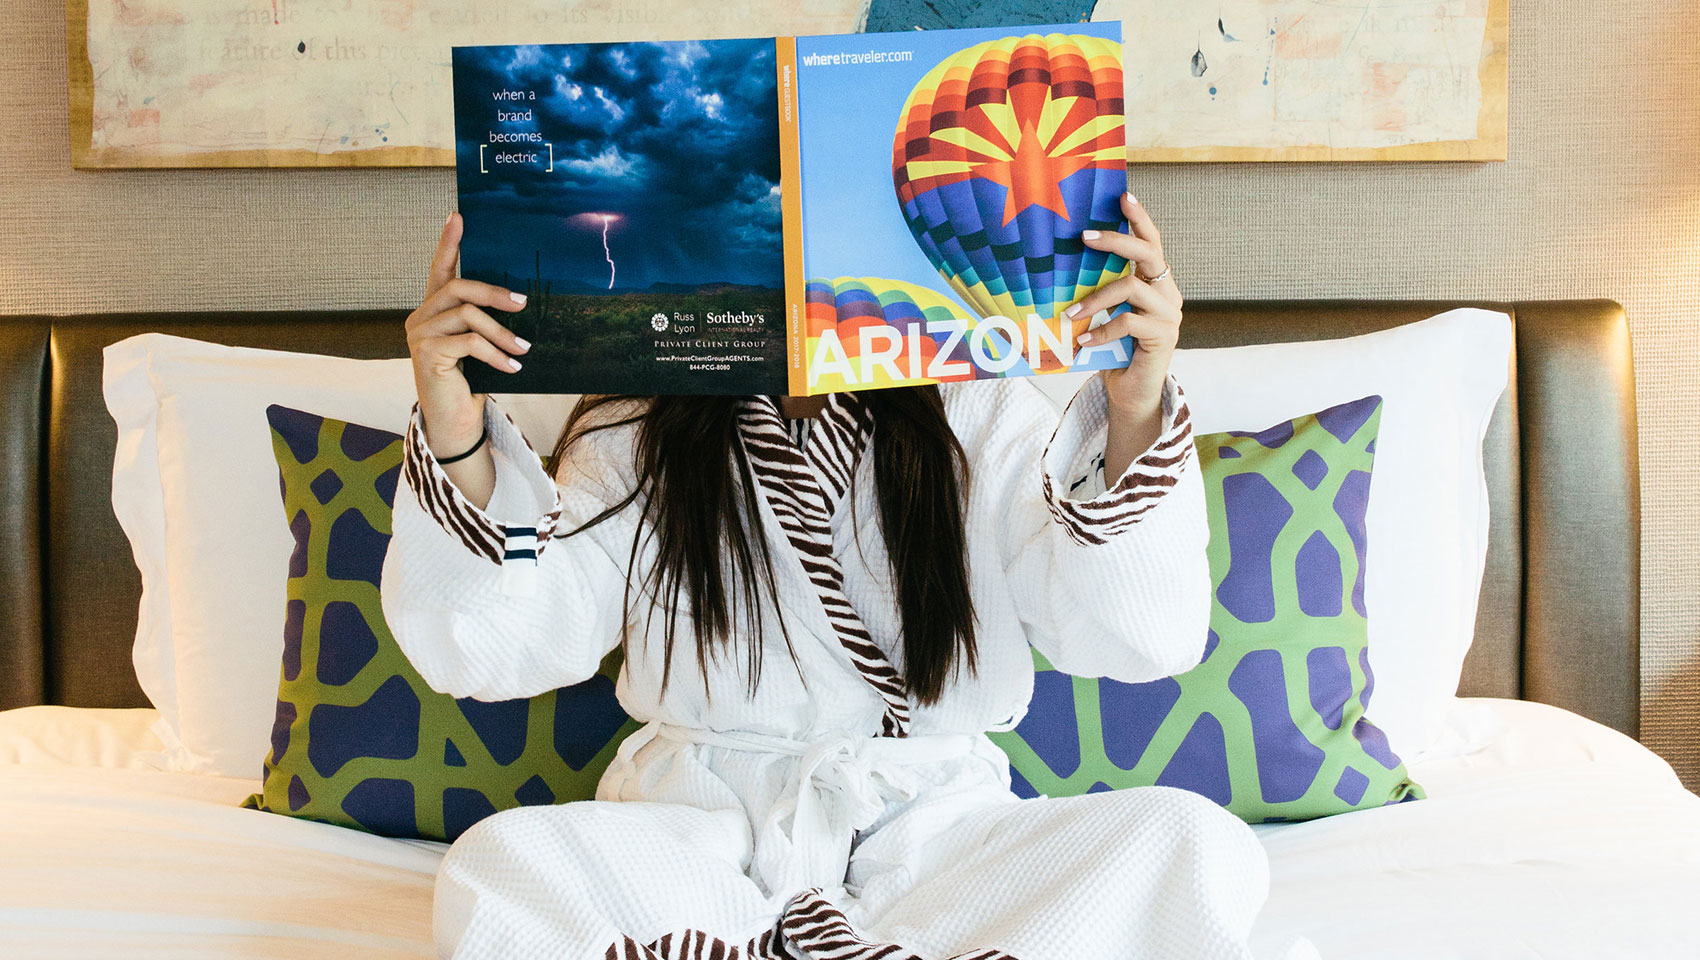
(791, 212)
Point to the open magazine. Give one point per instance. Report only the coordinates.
(793, 215)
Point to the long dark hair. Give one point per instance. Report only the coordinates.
(700, 502)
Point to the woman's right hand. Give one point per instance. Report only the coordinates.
(447, 327)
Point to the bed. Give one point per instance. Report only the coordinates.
(1552, 834)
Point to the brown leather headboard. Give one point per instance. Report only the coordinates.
(1559, 614)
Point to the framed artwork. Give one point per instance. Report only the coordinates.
(314, 83)
(331, 83)
(1230, 80)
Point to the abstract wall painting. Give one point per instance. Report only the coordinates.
(1231, 80)
(292, 83)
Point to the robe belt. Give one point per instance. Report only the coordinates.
(841, 787)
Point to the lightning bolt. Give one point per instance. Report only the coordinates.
(606, 255)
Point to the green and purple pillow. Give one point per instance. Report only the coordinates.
(360, 740)
(1271, 724)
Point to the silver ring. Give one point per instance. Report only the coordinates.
(1158, 277)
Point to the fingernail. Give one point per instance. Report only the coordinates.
(1071, 311)
(446, 219)
(1083, 338)
(518, 298)
(524, 344)
(1088, 234)
(1131, 198)
(513, 363)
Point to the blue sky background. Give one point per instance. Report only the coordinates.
(852, 224)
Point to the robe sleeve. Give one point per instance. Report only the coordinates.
(1109, 578)
(491, 603)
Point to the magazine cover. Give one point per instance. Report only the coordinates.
(793, 215)
(630, 190)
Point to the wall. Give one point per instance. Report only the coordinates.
(1601, 198)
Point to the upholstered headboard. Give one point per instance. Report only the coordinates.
(1559, 614)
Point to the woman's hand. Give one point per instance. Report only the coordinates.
(1135, 392)
(447, 327)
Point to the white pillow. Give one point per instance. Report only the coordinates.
(195, 487)
(1427, 523)
(80, 737)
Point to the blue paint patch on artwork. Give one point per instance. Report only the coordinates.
(884, 15)
(1270, 59)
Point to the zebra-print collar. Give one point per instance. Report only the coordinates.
(830, 444)
(804, 487)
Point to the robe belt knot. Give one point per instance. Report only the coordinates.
(842, 785)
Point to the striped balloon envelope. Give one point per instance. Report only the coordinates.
(1003, 154)
(867, 332)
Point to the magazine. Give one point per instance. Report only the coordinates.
(793, 215)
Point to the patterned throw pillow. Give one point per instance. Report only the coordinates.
(1271, 724)
(360, 740)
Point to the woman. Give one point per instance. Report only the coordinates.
(824, 607)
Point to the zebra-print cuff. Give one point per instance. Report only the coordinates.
(501, 543)
(1076, 450)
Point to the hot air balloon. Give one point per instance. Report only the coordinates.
(865, 332)
(1003, 154)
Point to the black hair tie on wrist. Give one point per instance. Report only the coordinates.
(462, 456)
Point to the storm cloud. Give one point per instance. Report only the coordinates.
(677, 141)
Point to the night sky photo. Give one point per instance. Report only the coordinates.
(631, 191)
(672, 148)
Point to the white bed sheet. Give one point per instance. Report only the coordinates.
(123, 861)
(1559, 839)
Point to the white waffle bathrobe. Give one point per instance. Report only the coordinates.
(827, 816)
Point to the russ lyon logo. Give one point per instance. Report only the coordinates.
(659, 322)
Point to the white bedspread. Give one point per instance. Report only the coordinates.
(1559, 839)
(123, 861)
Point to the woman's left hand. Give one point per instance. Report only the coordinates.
(1154, 320)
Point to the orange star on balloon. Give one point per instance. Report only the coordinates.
(1031, 175)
